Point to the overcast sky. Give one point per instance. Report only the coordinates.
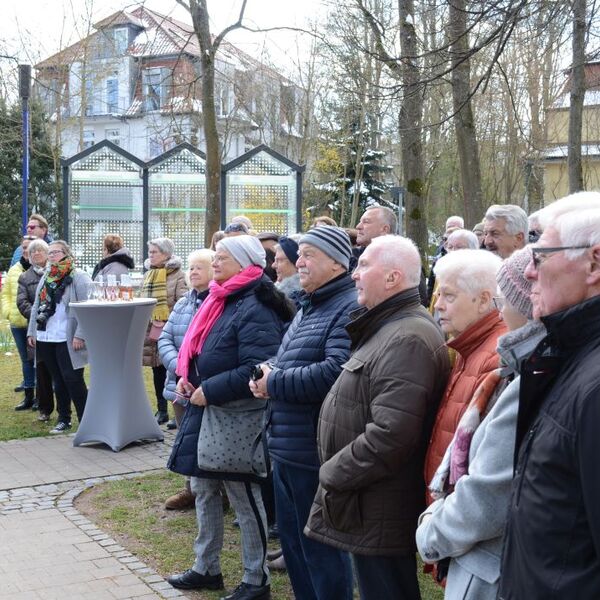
(47, 25)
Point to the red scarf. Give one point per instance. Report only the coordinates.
(208, 314)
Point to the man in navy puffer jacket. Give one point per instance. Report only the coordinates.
(308, 362)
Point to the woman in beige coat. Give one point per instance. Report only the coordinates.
(165, 281)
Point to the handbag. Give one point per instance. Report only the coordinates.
(156, 328)
(232, 440)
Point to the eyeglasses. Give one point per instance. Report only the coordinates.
(499, 302)
(34, 226)
(55, 252)
(539, 252)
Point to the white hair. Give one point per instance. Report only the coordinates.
(473, 271)
(455, 221)
(464, 234)
(203, 255)
(573, 202)
(38, 244)
(578, 228)
(397, 252)
(514, 216)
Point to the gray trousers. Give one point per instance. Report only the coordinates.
(246, 500)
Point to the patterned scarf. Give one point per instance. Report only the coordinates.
(208, 314)
(455, 463)
(155, 286)
(54, 278)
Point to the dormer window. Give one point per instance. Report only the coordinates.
(157, 82)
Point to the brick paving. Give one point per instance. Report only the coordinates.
(47, 549)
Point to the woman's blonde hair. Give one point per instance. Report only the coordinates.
(204, 256)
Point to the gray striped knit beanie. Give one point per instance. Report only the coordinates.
(333, 241)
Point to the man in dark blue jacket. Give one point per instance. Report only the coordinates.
(308, 362)
(552, 545)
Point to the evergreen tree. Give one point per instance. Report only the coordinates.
(360, 174)
(44, 191)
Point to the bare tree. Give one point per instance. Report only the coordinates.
(577, 96)
(208, 50)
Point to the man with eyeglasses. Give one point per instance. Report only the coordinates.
(552, 545)
(37, 227)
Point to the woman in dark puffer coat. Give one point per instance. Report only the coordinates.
(239, 325)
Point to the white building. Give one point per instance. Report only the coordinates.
(136, 82)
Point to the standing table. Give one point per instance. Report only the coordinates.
(117, 411)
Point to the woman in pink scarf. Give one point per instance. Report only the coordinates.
(239, 325)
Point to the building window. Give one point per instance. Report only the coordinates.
(155, 146)
(88, 138)
(223, 98)
(112, 95)
(113, 135)
(88, 100)
(156, 88)
(120, 36)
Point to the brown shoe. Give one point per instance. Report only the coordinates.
(182, 500)
(277, 565)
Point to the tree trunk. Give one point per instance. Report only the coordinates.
(200, 20)
(464, 123)
(577, 97)
(410, 130)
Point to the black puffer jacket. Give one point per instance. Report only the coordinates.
(28, 282)
(248, 332)
(309, 361)
(552, 544)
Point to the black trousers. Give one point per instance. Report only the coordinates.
(43, 388)
(69, 385)
(159, 376)
(387, 577)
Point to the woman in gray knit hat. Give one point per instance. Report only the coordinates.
(462, 530)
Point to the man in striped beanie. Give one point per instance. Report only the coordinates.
(308, 362)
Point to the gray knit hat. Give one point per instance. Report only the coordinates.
(334, 241)
(245, 249)
(512, 282)
(164, 244)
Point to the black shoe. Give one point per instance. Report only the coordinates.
(246, 591)
(161, 416)
(19, 388)
(25, 404)
(190, 580)
(61, 427)
(172, 424)
(35, 406)
(28, 401)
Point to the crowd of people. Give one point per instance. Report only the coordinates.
(331, 392)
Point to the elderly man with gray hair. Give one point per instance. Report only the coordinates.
(505, 229)
(375, 423)
(552, 544)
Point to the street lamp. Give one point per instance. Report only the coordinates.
(24, 93)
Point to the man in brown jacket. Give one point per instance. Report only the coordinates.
(375, 423)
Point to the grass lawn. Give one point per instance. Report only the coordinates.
(131, 510)
(24, 424)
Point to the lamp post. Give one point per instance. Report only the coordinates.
(24, 93)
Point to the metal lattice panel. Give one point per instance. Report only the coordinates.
(105, 196)
(177, 193)
(264, 189)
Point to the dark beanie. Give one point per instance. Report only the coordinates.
(290, 248)
(333, 241)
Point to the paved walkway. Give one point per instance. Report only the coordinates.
(47, 549)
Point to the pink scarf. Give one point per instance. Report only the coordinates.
(208, 314)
